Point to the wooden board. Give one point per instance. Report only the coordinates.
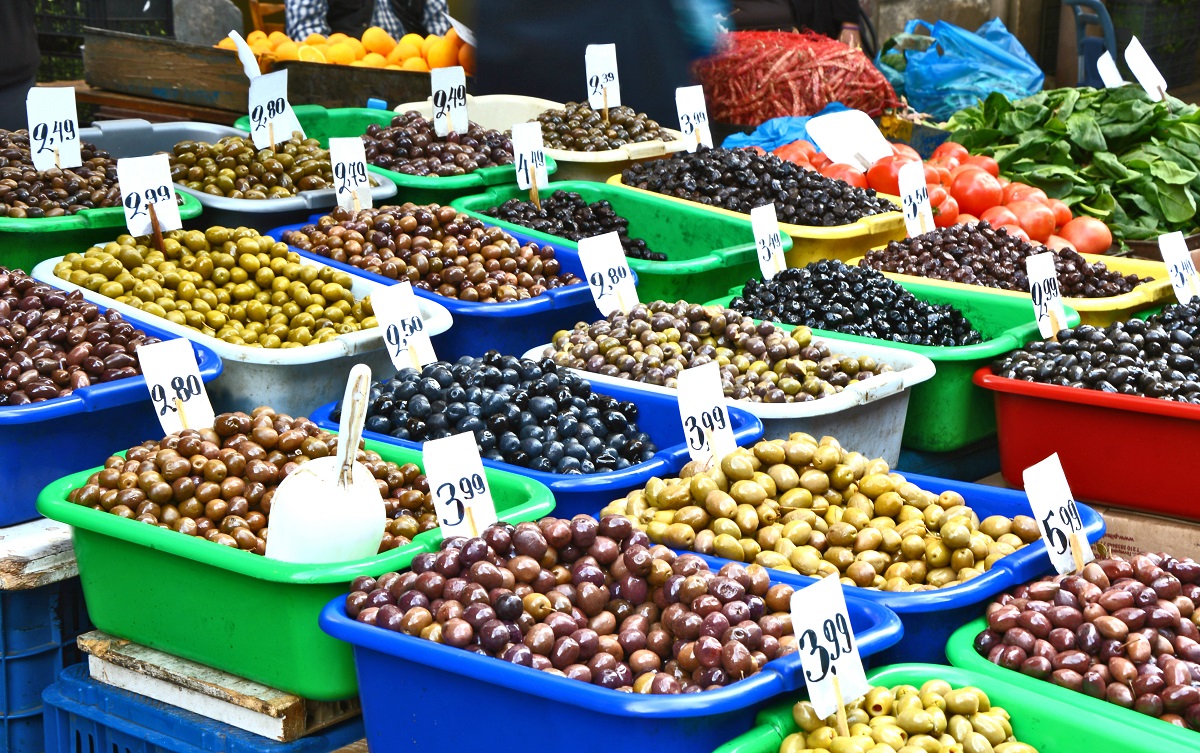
(36, 554)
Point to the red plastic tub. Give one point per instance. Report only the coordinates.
(1103, 441)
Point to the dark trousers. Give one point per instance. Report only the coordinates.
(12, 105)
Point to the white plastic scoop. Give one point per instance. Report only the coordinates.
(329, 509)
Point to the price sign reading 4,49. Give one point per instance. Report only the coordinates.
(272, 119)
(1178, 258)
(449, 99)
(608, 273)
(702, 409)
(399, 313)
(350, 177)
(1045, 293)
(768, 240)
(146, 181)
(833, 669)
(529, 155)
(1057, 515)
(461, 496)
(176, 390)
(53, 127)
(603, 84)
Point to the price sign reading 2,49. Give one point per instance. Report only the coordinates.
(461, 496)
(449, 99)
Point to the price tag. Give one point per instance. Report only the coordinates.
(176, 389)
(706, 424)
(1057, 515)
(459, 487)
(246, 55)
(1107, 68)
(767, 240)
(603, 85)
(529, 156)
(849, 136)
(53, 127)
(1045, 293)
(914, 193)
(464, 31)
(608, 273)
(272, 118)
(1145, 71)
(399, 314)
(449, 99)
(693, 116)
(349, 158)
(833, 670)
(1180, 267)
(146, 181)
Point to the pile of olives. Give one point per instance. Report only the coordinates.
(568, 215)
(758, 362)
(590, 600)
(233, 284)
(218, 483)
(579, 128)
(978, 254)
(831, 296)
(235, 169)
(1184, 316)
(26, 192)
(740, 180)
(436, 249)
(813, 508)
(411, 146)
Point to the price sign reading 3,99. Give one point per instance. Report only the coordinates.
(768, 240)
(693, 116)
(350, 178)
(176, 390)
(398, 312)
(449, 99)
(145, 181)
(833, 669)
(608, 273)
(706, 424)
(603, 84)
(1045, 293)
(1178, 258)
(529, 155)
(1057, 515)
(458, 485)
(272, 119)
(53, 127)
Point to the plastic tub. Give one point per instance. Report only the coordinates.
(86, 716)
(948, 411)
(1094, 433)
(704, 250)
(289, 379)
(212, 604)
(1120, 728)
(658, 416)
(478, 327)
(868, 416)
(812, 243)
(565, 710)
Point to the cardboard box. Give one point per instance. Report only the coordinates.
(1130, 532)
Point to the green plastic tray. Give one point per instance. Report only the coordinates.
(1050, 725)
(948, 411)
(1123, 729)
(233, 610)
(705, 250)
(24, 242)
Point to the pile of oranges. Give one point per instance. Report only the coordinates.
(376, 49)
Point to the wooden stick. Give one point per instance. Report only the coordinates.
(354, 199)
(842, 725)
(155, 228)
(712, 452)
(471, 522)
(182, 416)
(57, 162)
(533, 190)
(1054, 325)
(271, 133)
(1076, 551)
(866, 163)
(412, 355)
(604, 91)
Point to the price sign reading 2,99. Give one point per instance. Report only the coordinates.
(1045, 293)
(146, 181)
(449, 99)
(461, 496)
(176, 390)
(828, 650)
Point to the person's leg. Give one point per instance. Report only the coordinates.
(12, 106)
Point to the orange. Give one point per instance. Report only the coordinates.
(428, 42)
(336, 37)
(403, 51)
(414, 39)
(415, 64)
(260, 48)
(452, 36)
(359, 64)
(374, 60)
(258, 35)
(314, 39)
(226, 44)
(392, 67)
(288, 50)
(277, 38)
(359, 51)
(442, 54)
(377, 40)
(341, 53)
(466, 58)
(310, 54)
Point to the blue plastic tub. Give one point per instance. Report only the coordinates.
(85, 716)
(479, 327)
(41, 441)
(658, 416)
(417, 694)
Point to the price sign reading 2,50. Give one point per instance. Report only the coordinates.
(836, 641)
(606, 283)
(710, 421)
(261, 115)
(397, 336)
(468, 487)
(137, 202)
(185, 389)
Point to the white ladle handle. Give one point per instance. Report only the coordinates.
(354, 415)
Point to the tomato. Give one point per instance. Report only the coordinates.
(1035, 218)
(975, 190)
(988, 164)
(1013, 187)
(944, 176)
(884, 175)
(1016, 231)
(951, 149)
(820, 159)
(967, 219)
(1025, 191)
(949, 163)
(945, 214)
(932, 176)
(937, 194)
(966, 169)
(1057, 242)
(792, 152)
(998, 216)
(1088, 234)
(844, 172)
(1003, 181)
(904, 150)
(1062, 212)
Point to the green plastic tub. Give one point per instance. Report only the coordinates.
(705, 250)
(233, 610)
(1119, 729)
(1049, 725)
(948, 411)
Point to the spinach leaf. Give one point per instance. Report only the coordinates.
(1082, 130)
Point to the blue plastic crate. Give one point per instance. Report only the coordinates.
(85, 716)
(975, 461)
(658, 416)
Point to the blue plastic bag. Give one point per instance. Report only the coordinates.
(963, 68)
(776, 132)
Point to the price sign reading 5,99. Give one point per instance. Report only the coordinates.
(706, 424)
(1045, 293)
(529, 155)
(272, 119)
(461, 496)
(53, 127)
(768, 240)
(603, 84)
(399, 314)
(176, 390)
(350, 178)
(608, 273)
(146, 181)
(833, 669)
(1178, 258)
(1057, 515)
(449, 99)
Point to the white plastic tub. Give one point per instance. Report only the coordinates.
(293, 380)
(501, 111)
(867, 416)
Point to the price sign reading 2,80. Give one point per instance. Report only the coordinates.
(184, 389)
(454, 495)
(261, 115)
(606, 282)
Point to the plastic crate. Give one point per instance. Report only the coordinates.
(131, 574)
(86, 716)
(975, 461)
(565, 709)
(658, 416)
(704, 250)
(60, 25)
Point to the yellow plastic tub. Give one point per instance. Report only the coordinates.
(812, 243)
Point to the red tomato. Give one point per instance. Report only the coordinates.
(967, 219)
(988, 164)
(1057, 242)
(1003, 181)
(1088, 234)
(844, 172)
(944, 176)
(932, 176)
(1023, 191)
(792, 152)
(1062, 212)
(884, 175)
(1035, 218)
(952, 150)
(945, 214)
(965, 169)
(976, 190)
(820, 159)
(1017, 231)
(937, 194)
(904, 150)
(1013, 187)
(998, 216)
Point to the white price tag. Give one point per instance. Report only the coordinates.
(176, 389)
(833, 669)
(1145, 71)
(693, 116)
(449, 99)
(767, 240)
(461, 496)
(246, 55)
(603, 84)
(464, 31)
(608, 273)
(399, 315)
(529, 156)
(53, 127)
(1180, 268)
(1107, 68)
(914, 193)
(1046, 295)
(849, 136)
(350, 176)
(702, 410)
(272, 119)
(1057, 515)
(146, 181)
